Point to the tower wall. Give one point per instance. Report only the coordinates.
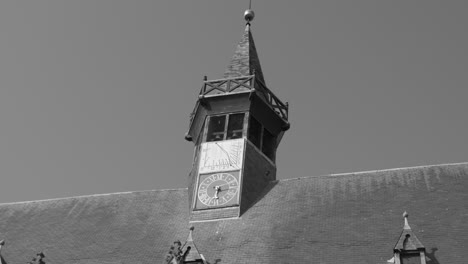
(259, 171)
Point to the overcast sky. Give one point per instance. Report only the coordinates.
(95, 95)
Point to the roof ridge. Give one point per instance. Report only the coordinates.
(89, 195)
(282, 180)
(381, 170)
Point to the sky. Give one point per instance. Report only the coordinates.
(95, 96)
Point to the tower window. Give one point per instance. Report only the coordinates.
(235, 126)
(262, 138)
(255, 132)
(224, 127)
(216, 128)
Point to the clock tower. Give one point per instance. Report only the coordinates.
(236, 126)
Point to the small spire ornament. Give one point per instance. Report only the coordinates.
(405, 215)
(249, 14)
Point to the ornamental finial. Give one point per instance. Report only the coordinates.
(405, 215)
(190, 238)
(249, 14)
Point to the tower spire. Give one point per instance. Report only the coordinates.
(245, 61)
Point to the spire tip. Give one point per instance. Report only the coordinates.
(249, 15)
(406, 226)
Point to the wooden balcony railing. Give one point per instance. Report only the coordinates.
(224, 86)
(244, 84)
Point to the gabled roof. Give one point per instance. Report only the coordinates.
(408, 240)
(346, 218)
(191, 251)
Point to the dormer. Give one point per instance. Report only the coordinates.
(185, 254)
(409, 250)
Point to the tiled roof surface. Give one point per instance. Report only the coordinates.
(245, 59)
(348, 218)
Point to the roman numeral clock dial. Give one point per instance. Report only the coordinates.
(218, 189)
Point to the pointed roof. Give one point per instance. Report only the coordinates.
(408, 240)
(245, 60)
(191, 251)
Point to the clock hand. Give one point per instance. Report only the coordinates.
(222, 189)
(217, 190)
(224, 184)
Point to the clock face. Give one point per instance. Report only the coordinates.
(221, 156)
(218, 189)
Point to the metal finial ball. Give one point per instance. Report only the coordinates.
(249, 15)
